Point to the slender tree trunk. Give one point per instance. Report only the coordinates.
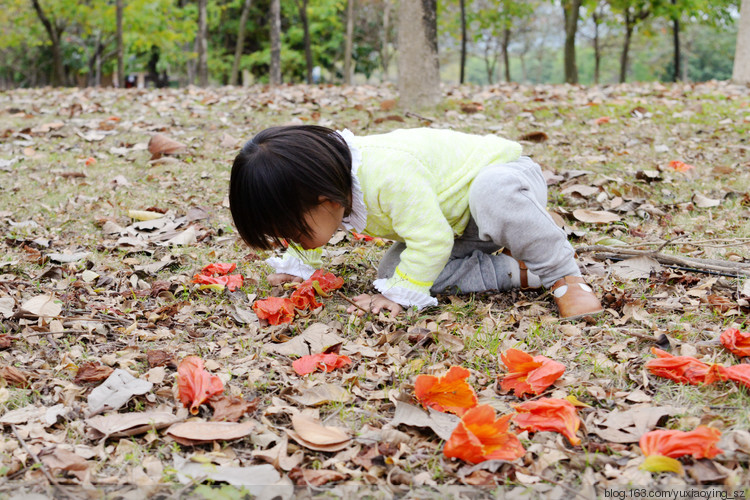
(597, 48)
(349, 45)
(302, 8)
(275, 76)
(506, 56)
(54, 32)
(385, 55)
(741, 70)
(120, 46)
(463, 44)
(570, 11)
(626, 47)
(202, 39)
(418, 65)
(676, 42)
(240, 43)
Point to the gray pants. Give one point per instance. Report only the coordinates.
(507, 203)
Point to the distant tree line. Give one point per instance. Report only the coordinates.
(217, 42)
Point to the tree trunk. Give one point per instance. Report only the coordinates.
(676, 42)
(418, 66)
(120, 46)
(626, 47)
(506, 56)
(385, 55)
(741, 70)
(570, 11)
(597, 48)
(240, 43)
(275, 76)
(202, 44)
(349, 45)
(302, 7)
(463, 44)
(54, 32)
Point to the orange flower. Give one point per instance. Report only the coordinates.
(326, 362)
(684, 369)
(529, 374)
(479, 437)
(680, 166)
(736, 341)
(549, 414)
(304, 297)
(449, 393)
(276, 310)
(220, 268)
(218, 274)
(739, 374)
(327, 281)
(195, 384)
(700, 443)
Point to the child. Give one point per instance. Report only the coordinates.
(448, 199)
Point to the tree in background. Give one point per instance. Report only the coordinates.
(240, 42)
(275, 36)
(571, 13)
(349, 45)
(741, 71)
(418, 67)
(201, 42)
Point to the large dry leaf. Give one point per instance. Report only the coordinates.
(277, 456)
(231, 409)
(311, 434)
(116, 391)
(43, 414)
(595, 216)
(314, 477)
(64, 460)
(197, 432)
(160, 145)
(41, 305)
(254, 478)
(6, 306)
(635, 268)
(580, 189)
(702, 201)
(628, 426)
(442, 424)
(324, 393)
(316, 338)
(92, 372)
(130, 424)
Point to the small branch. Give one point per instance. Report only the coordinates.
(34, 457)
(411, 114)
(351, 302)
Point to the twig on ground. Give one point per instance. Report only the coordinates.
(53, 482)
(566, 488)
(411, 114)
(351, 302)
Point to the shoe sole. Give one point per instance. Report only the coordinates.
(583, 315)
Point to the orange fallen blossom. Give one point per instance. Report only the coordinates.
(449, 393)
(326, 362)
(527, 374)
(736, 341)
(279, 310)
(549, 414)
(699, 443)
(480, 436)
(739, 374)
(218, 274)
(684, 369)
(195, 385)
(680, 166)
(275, 310)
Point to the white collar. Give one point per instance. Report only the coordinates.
(357, 219)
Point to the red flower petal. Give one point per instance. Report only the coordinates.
(195, 384)
(219, 268)
(684, 369)
(326, 362)
(479, 437)
(549, 414)
(217, 274)
(527, 374)
(700, 443)
(680, 166)
(304, 297)
(449, 393)
(276, 310)
(736, 341)
(739, 374)
(327, 281)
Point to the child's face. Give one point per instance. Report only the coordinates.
(323, 221)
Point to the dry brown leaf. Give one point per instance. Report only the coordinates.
(595, 216)
(534, 137)
(702, 201)
(388, 104)
(41, 305)
(130, 424)
(198, 431)
(628, 426)
(160, 358)
(231, 409)
(442, 424)
(63, 460)
(160, 145)
(314, 477)
(92, 372)
(13, 376)
(277, 456)
(323, 393)
(312, 431)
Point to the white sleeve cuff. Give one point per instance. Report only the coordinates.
(404, 296)
(290, 265)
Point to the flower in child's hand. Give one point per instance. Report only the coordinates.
(549, 414)
(527, 374)
(449, 393)
(195, 385)
(479, 437)
(276, 310)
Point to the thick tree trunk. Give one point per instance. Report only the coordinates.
(275, 76)
(570, 10)
(506, 56)
(349, 45)
(120, 46)
(463, 43)
(418, 66)
(741, 70)
(54, 32)
(676, 43)
(202, 44)
(240, 43)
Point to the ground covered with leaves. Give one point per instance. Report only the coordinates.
(111, 202)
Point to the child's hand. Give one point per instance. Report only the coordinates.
(281, 278)
(374, 303)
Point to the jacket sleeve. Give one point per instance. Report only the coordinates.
(297, 262)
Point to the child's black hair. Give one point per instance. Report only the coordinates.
(280, 175)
